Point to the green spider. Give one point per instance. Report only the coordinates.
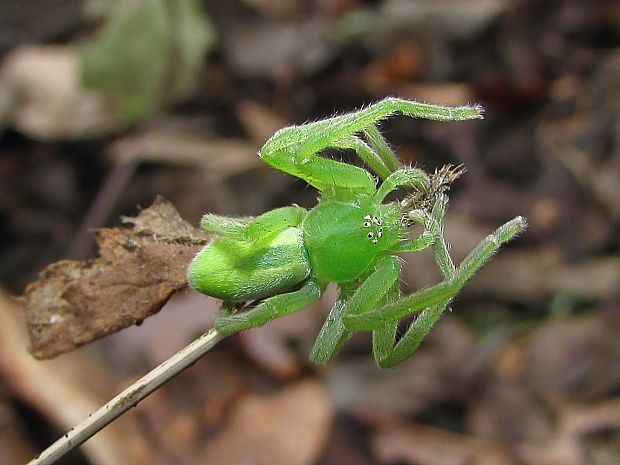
(285, 258)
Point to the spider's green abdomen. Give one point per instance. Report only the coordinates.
(236, 270)
(344, 238)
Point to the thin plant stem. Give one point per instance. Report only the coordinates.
(129, 397)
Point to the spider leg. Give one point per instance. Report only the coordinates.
(269, 309)
(333, 334)
(322, 173)
(386, 353)
(380, 288)
(366, 153)
(411, 177)
(293, 150)
(274, 222)
(325, 132)
(377, 154)
(378, 143)
(365, 297)
(225, 225)
(439, 293)
(250, 228)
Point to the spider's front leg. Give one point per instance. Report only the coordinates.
(293, 150)
(432, 300)
(386, 351)
(383, 321)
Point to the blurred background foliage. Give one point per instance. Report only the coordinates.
(147, 52)
(104, 105)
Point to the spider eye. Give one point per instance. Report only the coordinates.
(370, 235)
(366, 224)
(374, 241)
(367, 217)
(380, 233)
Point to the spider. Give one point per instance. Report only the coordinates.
(284, 259)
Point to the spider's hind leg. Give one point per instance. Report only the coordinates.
(269, 309)
(253, 228)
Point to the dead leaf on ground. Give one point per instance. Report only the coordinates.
(440, 372)
(506, 413)
(400, 442)
(535, 274)
(268, 348)
(575, 359)
(138, 270)
(260, 121)
(584, 434)
(290, 427)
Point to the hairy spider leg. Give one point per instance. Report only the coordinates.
(322, 134)
(385, 351)
(293, 149)
(333, 334)
(379, 144)
(411, 177)
(270, 308)
(438, 293)
(253, 228)
(366, 153)
(366, 297)
(225, 225)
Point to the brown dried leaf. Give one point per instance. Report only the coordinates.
(575, 359)
(290, 427)
(575, 441)
(529, 275)
(164, 221)
(399, 442)
(439, 372)
(75, 303)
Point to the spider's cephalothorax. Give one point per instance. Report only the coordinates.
(284, 258)
(343, 239)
